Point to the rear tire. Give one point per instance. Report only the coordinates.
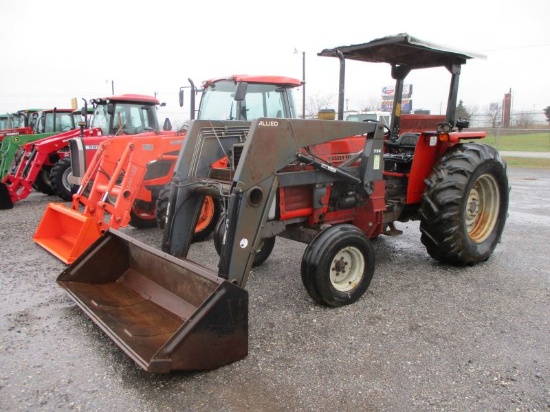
(338, 265)
(59, 176)
(465, 205)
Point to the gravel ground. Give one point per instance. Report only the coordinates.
(424, 337)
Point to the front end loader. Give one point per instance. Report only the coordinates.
(35, 164)
(171, 314)
(331, 184)
(113, 194)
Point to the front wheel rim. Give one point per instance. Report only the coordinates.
(67, 174)
(143, 214)
(482, 208)
(206, 215)
(347, 269)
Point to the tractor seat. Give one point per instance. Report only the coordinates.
(400, 153)
(405, 140)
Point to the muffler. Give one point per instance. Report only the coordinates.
(165, 313)
(65, 232)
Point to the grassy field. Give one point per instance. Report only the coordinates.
(539, 142)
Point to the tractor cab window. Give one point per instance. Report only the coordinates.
(142, 117)
(18, 120)
(217, 102)
(5, 123)
(57, 122)
(264, 101)
(100, 119)
(33, 120)
(63, 122)
(127, 118)
(261, 100)
(121, 120)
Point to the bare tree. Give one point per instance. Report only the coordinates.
(317, 103)
(494, 114)
(473, 110)
(524, 119)
(371, 104)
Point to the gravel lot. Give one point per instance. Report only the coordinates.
(424, 337)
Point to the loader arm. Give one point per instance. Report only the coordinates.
(116, 178)
(33, 157)
(269, 146)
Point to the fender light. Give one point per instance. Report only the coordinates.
(443, 130)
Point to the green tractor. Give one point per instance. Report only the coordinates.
(44, 123)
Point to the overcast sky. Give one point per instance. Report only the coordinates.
(56, 50)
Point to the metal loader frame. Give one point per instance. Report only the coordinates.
(268, 147)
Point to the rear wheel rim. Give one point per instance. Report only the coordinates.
(347, 269)
(482, 208)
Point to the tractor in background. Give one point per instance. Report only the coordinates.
(21, 123)
(125, 180)
(47, 123)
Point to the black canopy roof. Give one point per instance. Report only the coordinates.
(402, 50)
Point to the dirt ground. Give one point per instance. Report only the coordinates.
(424, 337)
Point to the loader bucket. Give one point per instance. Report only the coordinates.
(65, 232)
(165, 313)
(5, 198)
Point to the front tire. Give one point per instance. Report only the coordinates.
(59, 176)
(465, 205)
(338, 265)
(264, 251)
(209, 215)
(143, 215)
(42, 182)
(162, 205)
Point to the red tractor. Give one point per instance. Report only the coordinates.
(331, 184)
(45, 165)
